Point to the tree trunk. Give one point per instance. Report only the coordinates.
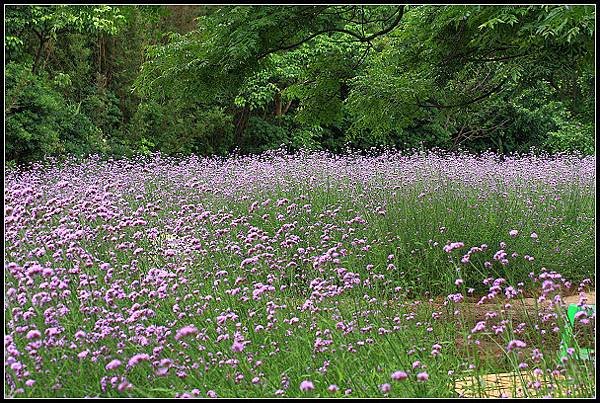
(287, 107)
(39, 52)
(100, 53)
(278, 104)
(240, 126)
(49, 49)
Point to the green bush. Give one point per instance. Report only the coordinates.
(40, 122)
(261, 135)
(188, 130)
(572, 136)
(103, 105)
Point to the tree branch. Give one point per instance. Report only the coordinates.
(361, 38)
(498, 59)
(437, 105)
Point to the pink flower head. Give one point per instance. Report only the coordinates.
(306, 386)
(33, 334)
(453, 245)
(513, 233)
(385, 388)
(479, 327)
(186, 331)
(399, 376)
(113, 364)
(123, 386)
(422, 376)
(237, 346)
(137, 358)
(513, 344)
(52, 331)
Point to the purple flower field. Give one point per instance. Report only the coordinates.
(308, 275)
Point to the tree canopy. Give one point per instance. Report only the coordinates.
(213, 79)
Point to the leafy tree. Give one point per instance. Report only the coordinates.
(39, 122)
(213, 79)
(235, 49)
(467, 57)
(44, 24)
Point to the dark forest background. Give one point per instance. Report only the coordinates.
(121, 80)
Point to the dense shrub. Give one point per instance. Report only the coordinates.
(39, 121)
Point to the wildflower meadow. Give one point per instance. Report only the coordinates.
(299, 275)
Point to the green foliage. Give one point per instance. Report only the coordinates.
(60, 18)
(40, 122)
(45, 23)
(191, 130)
(572, 136)
(311, 138)
(103, 105)
(262, 135)
(472, 67)
(211, 79)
